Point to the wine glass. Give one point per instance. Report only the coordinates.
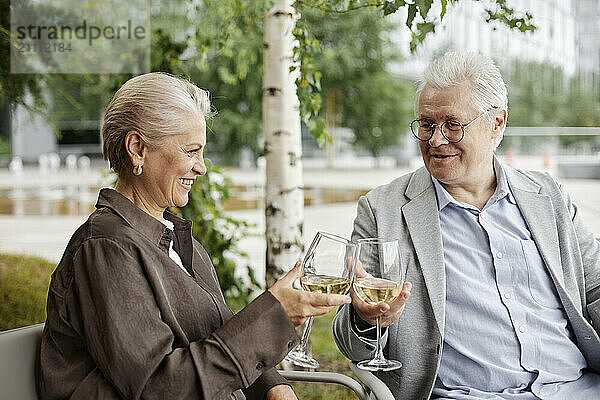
(328, 267)
(385, 274)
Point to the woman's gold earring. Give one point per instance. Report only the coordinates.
(137, 170)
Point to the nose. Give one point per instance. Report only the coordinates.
(437, 139)
(199, 166)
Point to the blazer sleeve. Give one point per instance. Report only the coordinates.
(132, 346)
(589, 245)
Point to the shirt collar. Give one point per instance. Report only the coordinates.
(502, 190)
(443, 197)
(502, 187)
(139, 220)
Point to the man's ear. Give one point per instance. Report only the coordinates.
(135, 147)
(499, 118)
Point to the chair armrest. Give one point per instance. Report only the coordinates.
(374, 384)
(327, 377)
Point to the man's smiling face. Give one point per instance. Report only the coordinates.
(461, 163)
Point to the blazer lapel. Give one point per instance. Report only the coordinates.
(539, 215)
(422, 220)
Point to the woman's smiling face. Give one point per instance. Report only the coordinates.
(169, 169)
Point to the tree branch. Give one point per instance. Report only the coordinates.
(304, 3)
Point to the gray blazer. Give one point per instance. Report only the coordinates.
(407, 209)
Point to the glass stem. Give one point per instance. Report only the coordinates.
(305, 334)
(379, 358)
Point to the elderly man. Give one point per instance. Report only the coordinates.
(505, 276)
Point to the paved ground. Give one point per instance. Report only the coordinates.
(47, 235)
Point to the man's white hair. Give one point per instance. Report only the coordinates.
(487, 88)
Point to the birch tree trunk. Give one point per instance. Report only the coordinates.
(284, 197)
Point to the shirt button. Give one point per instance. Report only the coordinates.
(290, 344)
(521, 329)
(260, 365)
(507, 295)
(499, 254)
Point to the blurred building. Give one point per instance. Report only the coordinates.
(567, 35)
(587, 14)
(32, 135)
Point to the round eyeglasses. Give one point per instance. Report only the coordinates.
(453, 131)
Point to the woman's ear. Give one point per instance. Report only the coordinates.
(135, 148)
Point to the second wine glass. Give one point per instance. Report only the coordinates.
(381, 282)
(328, 267)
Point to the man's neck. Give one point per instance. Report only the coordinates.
(476, 195)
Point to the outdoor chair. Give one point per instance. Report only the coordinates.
(369, 384)
(19, 350)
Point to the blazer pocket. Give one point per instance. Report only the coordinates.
(594, 310)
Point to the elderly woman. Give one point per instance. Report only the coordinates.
(134, 307)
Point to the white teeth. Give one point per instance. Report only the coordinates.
(188, 182)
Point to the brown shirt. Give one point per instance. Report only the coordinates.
(124, 321)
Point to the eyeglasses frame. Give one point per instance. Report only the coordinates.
(442, 129)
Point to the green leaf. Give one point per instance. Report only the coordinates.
(443, 12)
(424, 6)
(317, 129)
(389, 7)
(413, 42)
(316, 103)
(412, 13)
(425, 28)
(318, 75)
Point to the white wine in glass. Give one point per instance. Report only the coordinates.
(376, 290)
(328, 267)
(325, 284)
(385, 274)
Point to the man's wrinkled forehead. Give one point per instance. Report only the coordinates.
(450, 102)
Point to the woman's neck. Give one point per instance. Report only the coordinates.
(140, 199)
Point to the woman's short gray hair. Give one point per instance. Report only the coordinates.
(154, 105)
(488, 89)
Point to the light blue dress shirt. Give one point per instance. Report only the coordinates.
(506, 332)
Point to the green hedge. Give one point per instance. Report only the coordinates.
(23, 289)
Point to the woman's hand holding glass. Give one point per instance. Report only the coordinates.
(328, 269)
(300, 305)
